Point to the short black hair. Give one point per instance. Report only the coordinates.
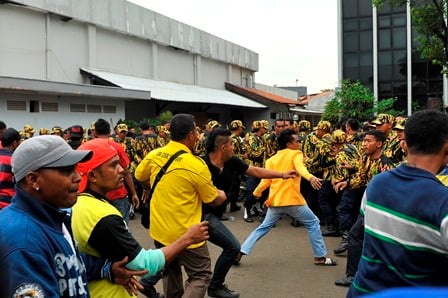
(181, 125)
(9, 135)
(378, 135)
(2, 125)
(285, 137)
(144, 125)
(216, 138)
(353, 123)
(426, 132)
(102, 127)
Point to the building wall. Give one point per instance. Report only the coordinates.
(51, 40)
(63, 116)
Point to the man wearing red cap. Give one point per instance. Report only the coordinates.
(119, 197)
(99, 228)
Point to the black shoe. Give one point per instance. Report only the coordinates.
(224, 218)
(247, 217)
(150, 292)
(343, 246)
(222, 292)
(344, 282)
(295, 223)
(234, 208)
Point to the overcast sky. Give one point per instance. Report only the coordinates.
(295, 39)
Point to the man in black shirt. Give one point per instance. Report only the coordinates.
(224, 166)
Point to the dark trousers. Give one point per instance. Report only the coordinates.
(328, 201)
(221, 236)
(348, 208)
(251, 184)
(311, 197)
(355, 239)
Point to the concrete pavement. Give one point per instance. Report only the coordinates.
(281, 264)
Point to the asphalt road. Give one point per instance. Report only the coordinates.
(281, 264)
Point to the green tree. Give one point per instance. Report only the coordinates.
(355, 100)
(429, 18)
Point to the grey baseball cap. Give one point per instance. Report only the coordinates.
(46, 151)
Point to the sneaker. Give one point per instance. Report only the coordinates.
(344, 282)
(222, 291)
(131, 212)
(151, 292)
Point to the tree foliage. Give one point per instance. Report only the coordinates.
(429, 18)
(355, 100)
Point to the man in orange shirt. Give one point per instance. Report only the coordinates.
(285, 197)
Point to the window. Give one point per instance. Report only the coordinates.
(351, 41)
(109, 109)
(50, 107)
(93, 108)
(384, 41)
(16, 105)
(77, 108)
(34, 106)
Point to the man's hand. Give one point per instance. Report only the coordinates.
(289, 174)
(135, 201)
(126, 277)
(340, 186)
(316, 183)
(197, 233)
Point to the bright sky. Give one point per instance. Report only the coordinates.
(295, 39)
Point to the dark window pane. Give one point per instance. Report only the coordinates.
(351, 41)
(365, 40)
(385, 66)
(365, 23)
(399, 38)
(400, 65)
(349, 8)
(399, 20)
(384, 21)
(385, 89)
(384, 41)
(365, 7)
(351, 60)
(350, 25)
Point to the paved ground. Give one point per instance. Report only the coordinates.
(281, 264)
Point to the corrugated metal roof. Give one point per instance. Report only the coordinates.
(170, 91)
(260, 94)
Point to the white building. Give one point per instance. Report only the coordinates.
(65, 62)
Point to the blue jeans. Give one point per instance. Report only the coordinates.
(302, 214)
(221, 236)
(123, 206)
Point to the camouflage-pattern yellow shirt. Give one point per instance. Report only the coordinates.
(301, 135)
(368, 169)
(238, 147)
(392, 148)
(143, 145)
(128, 145)
(309, 147)
(272, 145)
(348, 155)
(256, 150)
(322, 162)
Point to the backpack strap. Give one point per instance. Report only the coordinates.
(163, 171)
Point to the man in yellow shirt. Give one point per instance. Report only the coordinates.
(176, 204)
(285, 197)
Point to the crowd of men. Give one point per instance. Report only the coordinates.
(319, 176)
